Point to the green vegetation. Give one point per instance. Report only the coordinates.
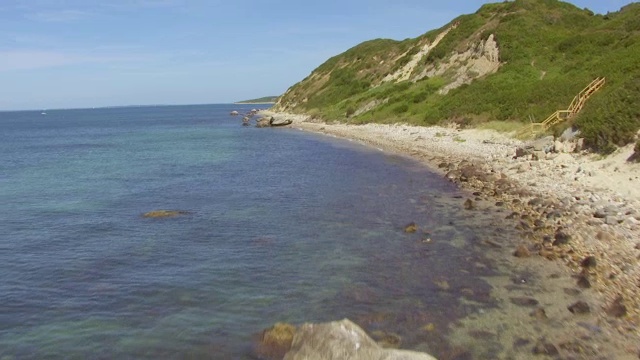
(262, 100)
(549, 51)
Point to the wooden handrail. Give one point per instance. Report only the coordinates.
(561, 115)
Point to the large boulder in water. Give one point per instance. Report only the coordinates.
(342, 340)
(263, 122)
(280, 122)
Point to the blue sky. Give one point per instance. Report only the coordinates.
(83, 53)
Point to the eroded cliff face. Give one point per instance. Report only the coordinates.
(481, 59)
(406, 72)
(477, 58)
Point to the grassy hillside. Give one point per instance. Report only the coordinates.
(547, 51)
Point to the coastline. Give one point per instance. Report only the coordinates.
(253, 103)
(577, 212)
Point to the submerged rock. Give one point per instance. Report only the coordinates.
(164, 213)
(579, 307)
(342, 340)
(524, 301)
(469, 205)
(411, 228)
(275, 341)
(544, 347)
(522, 252)
(617, 308)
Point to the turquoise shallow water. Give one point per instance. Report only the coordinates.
(282, 226)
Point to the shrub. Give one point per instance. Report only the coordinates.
(401, 109)
(350, 111)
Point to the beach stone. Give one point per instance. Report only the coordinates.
(522, 252)
(604, 236)
(468, 172)
(513, 215)
(544, 144)
(612, 220)
(579, 307)
(342, 340)
(558, 146)
(275, 341)
(600, 214)
(535, 201)
(521, 152)
(453, 175)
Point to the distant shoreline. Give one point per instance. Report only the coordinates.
(253, 103)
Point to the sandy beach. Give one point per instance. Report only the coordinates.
(579, 214)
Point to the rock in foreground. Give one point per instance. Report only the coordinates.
(340, 340)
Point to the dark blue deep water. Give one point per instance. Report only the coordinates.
(282, 225)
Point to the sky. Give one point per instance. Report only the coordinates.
(84, 53)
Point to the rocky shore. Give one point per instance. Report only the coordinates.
(579, 216)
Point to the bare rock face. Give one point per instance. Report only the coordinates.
(342, 340)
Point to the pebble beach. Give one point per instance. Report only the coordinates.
(579, 216)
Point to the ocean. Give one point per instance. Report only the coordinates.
(280, 225)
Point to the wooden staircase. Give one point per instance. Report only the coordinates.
(562, 115)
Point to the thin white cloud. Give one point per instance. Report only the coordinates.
(62, 16)
(305, 30)
(36, 59)
(133, 5)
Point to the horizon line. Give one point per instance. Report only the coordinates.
(126, 106)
